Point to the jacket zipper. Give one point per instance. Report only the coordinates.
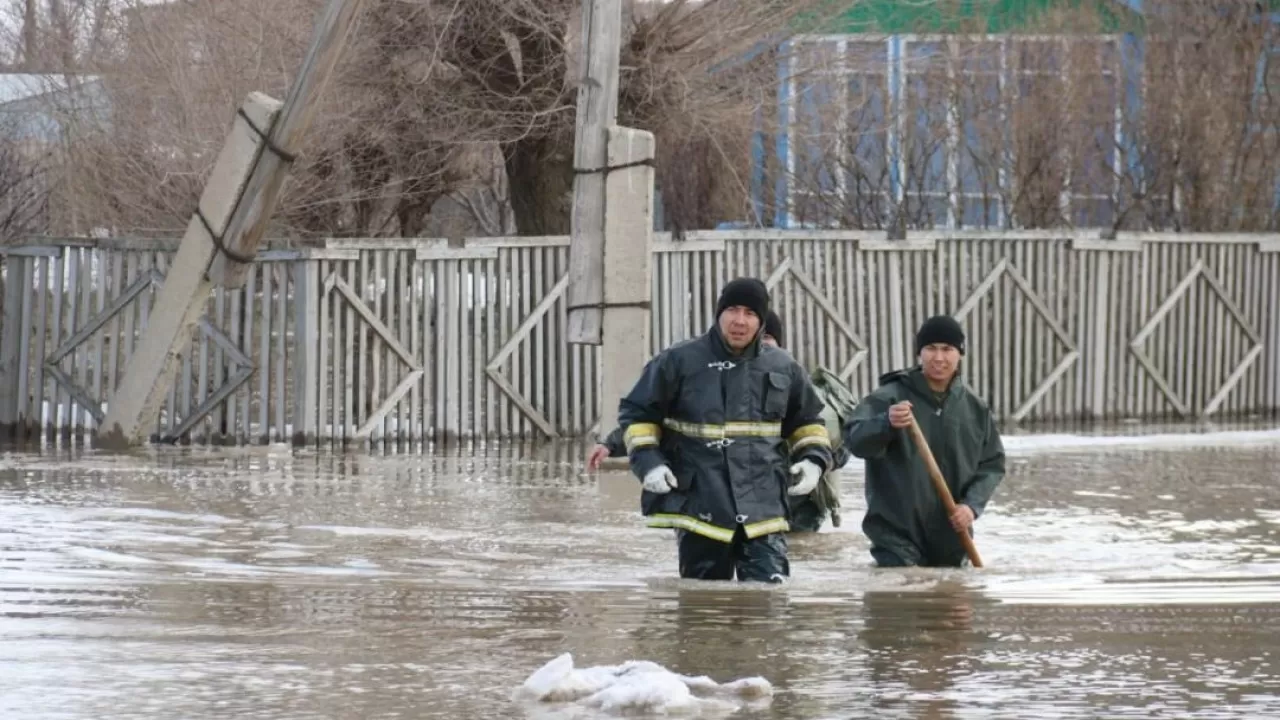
(945, 443)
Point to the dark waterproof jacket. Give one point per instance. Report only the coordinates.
(614, 442)
(904, 512)
(729, 427)
(826, 496)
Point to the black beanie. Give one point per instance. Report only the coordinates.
(773, 327)
(748, 292)
(940, 329)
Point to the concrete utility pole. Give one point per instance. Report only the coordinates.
(627, 248)
(222, 238)
(597, 112)
(609, 251)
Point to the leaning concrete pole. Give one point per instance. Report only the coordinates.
(223, 236)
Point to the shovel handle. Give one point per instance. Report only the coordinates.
(944, 492)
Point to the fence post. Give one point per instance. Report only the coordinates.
(628, 239)
(306, 331)
(1101, 314)
(1270, 250)
(902, 348)
(12, 268)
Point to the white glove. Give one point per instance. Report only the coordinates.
(809, 474)
(659, 480)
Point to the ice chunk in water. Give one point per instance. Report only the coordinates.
(645, 692)
(637, 686)
(546, 678)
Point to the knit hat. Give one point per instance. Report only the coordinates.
(748, 292)
(773, 327)
(941, 329)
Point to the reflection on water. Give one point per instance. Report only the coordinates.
(260, 583)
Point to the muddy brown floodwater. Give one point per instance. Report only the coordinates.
(1125, 579)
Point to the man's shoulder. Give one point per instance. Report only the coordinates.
(975, 402)
(681, 349)
(889, 390)
(684, 346)
(775, 359)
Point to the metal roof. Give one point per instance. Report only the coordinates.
(21, 86)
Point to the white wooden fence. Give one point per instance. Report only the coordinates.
(421, 340)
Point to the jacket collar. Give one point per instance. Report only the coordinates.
(721, 349)
(914, 380)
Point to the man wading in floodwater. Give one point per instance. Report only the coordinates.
(807, 511)
(906, 520)
(718, 428)
(613, 446)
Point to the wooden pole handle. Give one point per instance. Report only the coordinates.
(944, 492)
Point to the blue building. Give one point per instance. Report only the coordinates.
(908, 116)
(36, 107)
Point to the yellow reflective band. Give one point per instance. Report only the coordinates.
(807, 435)
(764, 527)
(693, 525)
(707, 431)
(642, 435)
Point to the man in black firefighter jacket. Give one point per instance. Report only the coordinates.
(613, 446)
(718, 428)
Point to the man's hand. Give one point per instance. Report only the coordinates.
(962, 518)
(809, 474)
(660, 480)
(596, 456)
(900, 416)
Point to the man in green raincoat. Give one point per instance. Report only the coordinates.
(906, 521)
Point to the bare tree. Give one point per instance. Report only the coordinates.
(24, 188)
(372, 164)
(58, 35)
(425, 94)
(1210, 158)
(486, 202)
(1049, 130)
(512, 68)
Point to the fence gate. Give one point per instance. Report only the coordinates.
(1199, 271)
(545, 385)
(1006, 270)
(335, 288)
(792, 304)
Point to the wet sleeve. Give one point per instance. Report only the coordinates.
(617, 448)
(989, 473)
(803, 427)
(641, 411)
(841, 457)
(868, 434)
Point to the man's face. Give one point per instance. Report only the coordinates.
(769, 340)
(940, 361)
(739, 326)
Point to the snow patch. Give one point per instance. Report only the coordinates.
(637, 687)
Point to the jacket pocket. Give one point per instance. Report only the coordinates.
(685, 482)
(676, 501)
(777, 392)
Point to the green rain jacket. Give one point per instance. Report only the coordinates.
(904, 513)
